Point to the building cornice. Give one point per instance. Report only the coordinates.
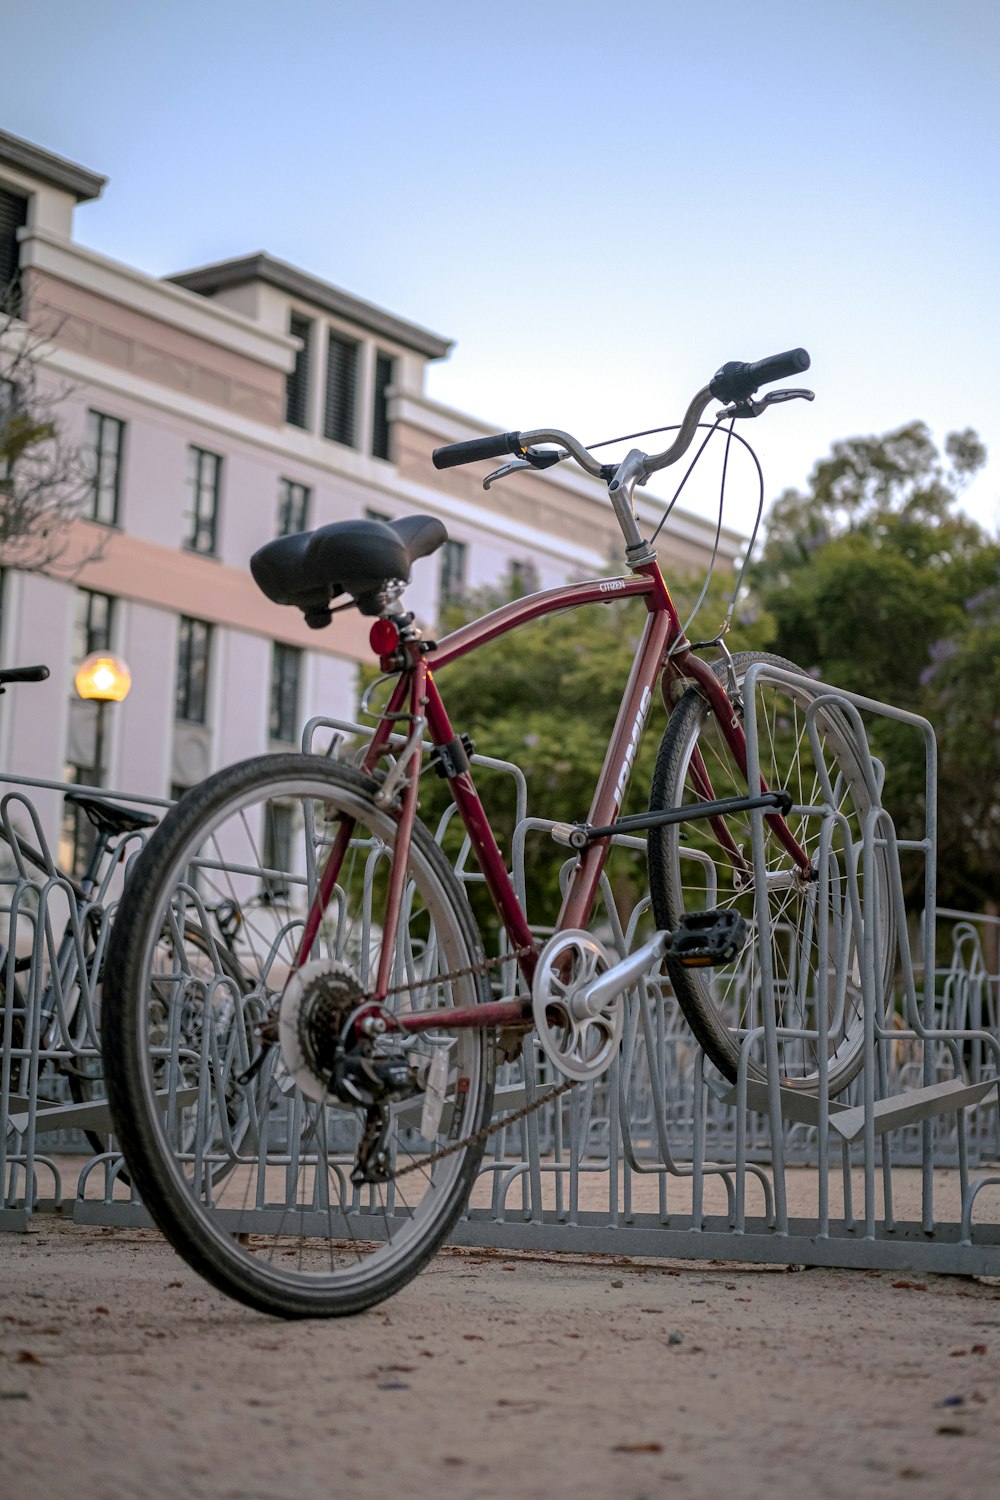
(47, 167)
(157, 299)
(321, 294)
(381, 481)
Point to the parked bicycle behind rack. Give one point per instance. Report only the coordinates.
(370, 1089)
(51, 993)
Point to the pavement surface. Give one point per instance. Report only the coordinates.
(122, 1375)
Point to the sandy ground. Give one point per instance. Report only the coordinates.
(122, 1374)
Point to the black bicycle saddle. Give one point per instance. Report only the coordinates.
(111, 816)
(369, 560)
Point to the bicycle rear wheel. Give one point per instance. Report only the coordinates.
(283, 1228)
(813, 939)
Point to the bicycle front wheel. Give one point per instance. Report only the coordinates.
(269, 1213)
(813, 937)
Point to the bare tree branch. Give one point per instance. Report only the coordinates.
(45, 482)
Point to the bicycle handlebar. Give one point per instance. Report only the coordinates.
(734, 382)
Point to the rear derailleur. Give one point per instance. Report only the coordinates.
(333, 1045)
(358, 1077)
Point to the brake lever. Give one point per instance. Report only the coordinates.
(505, 469)
(750, 408)
(534, 459)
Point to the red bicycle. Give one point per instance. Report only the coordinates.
(374, 1014)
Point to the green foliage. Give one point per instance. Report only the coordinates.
(19, 434)
(895, 490)
(43, 480)
(963, 702)
(876, 581)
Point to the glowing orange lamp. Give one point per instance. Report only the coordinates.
(102, 678)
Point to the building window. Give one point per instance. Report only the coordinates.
(277, 848)
(452, 571)
(204, 470)
(285, 671)
(297, 382)
(92, 620)
(385, 367)
(341, 390)
(193, 647)
(293, 506)
(13, 216)
(105, 436)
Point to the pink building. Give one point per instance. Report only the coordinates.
(219, 408)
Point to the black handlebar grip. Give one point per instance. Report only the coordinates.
(737, 380)
(500, 446)
(24, 674)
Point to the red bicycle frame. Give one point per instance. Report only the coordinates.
(662, 655)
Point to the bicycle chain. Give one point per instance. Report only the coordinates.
(485, 1131)
(480, 968)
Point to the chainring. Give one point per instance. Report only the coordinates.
(580, 1041)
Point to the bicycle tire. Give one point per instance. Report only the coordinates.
(307, 1244)
(722, 1004)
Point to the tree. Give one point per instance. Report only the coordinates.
(871, 486)
(43, 479)
(878, 583)
(963, 702)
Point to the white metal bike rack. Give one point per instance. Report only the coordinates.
(661, 1156)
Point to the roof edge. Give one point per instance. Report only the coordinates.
(55, 170)
(297, 283)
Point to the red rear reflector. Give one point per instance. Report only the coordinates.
(384, 638)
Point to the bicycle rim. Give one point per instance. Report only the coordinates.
(282, 1227)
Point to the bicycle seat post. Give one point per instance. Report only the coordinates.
(88, 880)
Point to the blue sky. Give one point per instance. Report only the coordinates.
(599, 202)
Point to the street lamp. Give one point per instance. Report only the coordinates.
(102, 679)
